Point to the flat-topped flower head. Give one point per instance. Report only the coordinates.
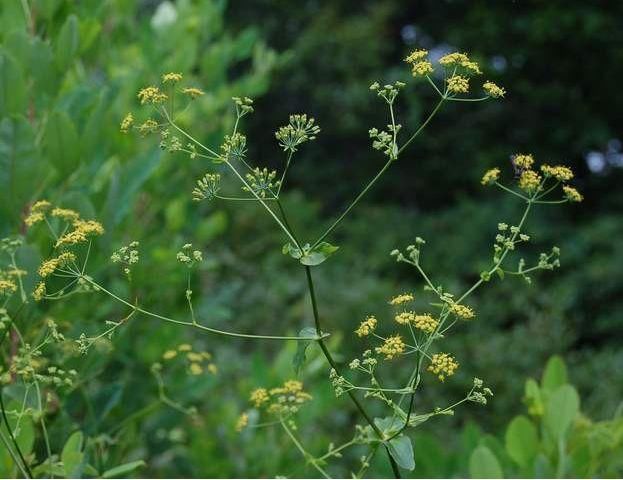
(171, 77)
(529, 181)
(458, 84)
(193, 92)
(425, 322)
(572, 194)
(126, 123)
(523, 162)
(404, 318)
(421, 69)
(392, 347)
(366, 327)
(151, 95)
(493, 90)
(443, 365)
(462, 311)
(457, 59)
(401, 299)
(416, 55)
(259, 397)
(559, 172)
(491, 176)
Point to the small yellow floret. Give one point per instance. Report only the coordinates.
(126, 123)
(195, 369)
(462, 311)
(7, 287)
(416, 55)
(151, 95)
(259, 396)
(169, 355)
(523, 161)
(66, 214)
(193, 92)
(39, 292)
(529, 181)
(242, 422)
(425, 322)
(403, 318)
(422, 68)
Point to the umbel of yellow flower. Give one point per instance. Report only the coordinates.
(259, 396)
(171, 77)
(458, 84)
(402, 298)
(572, 194)
(242, 422)
(37, 212)
(462, 311)
(559, 172)
(529, 181)
(39, 292)
(490, 176)
(460, 60)
(151, 95)
(83, 229)
(7, 287)
(443, 365)
(366, 327)
(426, 323)
(126, 123)
(493, 90)
(392, 347)
(403, 318)
(193, 92)
(522, 161)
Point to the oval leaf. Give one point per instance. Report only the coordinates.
(562, 408)
(401, 450)
(484, 464)
(522, 440)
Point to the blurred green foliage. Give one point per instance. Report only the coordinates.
(69, 72)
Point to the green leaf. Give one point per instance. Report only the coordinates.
(533, 398)
(72, 455)
(13, 97)
(522, 440)
(484, 464)
(401, 450)
(318, 254)
(554, 375)
(62, 143)
(289, 249)
(301, 348)
(122, 470)
(67, 43)
(563, 406)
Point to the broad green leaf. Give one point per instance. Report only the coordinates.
(62, 143)
(484, 464)
(533, 398)
(72, 455)
(21, 172)
(24, 433)
(401, 450)
(301, 348)
(554, 375)
(318, 254)
(522, 440)
(563, 406)
(123, 470)
(67, 43)
(294, 252)
(389, 425)
(13, 95)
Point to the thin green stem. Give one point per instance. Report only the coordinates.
(304, 452)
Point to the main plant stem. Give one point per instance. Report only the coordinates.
(329, 357)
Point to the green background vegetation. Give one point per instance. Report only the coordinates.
(69, 71)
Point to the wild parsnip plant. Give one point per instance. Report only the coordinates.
(411, 337)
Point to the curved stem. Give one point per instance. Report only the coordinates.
(329, 357)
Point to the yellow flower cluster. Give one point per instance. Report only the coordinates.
(460, 60)
(490, 176)
(493, 90)
(83, 229)
(259, 397)
(66, 214)
(419, 65)
(458, 84)
(171, 77)
(529, 181)
(392, 347)
(443, 365)
(403, 318)
(242, 422)
(147, 127)
(402, 298)
(7, 287)
(523, 162)
(37, 212)
(462, 311)
(151, 95)
(48, 267)
(366, 327)
(193, 92)
(196, 360)
(559, 172)
(425, 322)
(126, 123)
(572, 194)
(39, 292)
(280, 400)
